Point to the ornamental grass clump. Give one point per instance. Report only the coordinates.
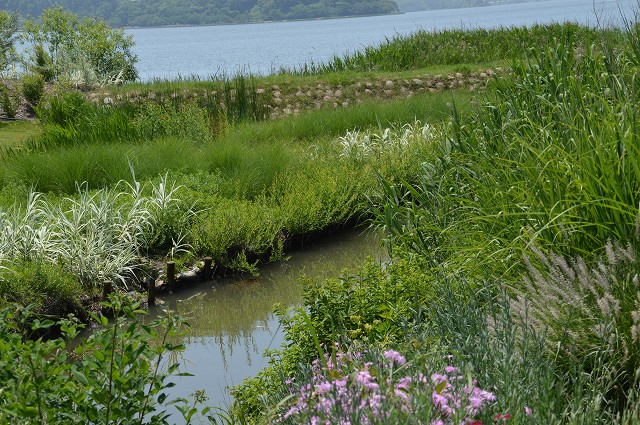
(369, 388)
(364, 144)
(96, 235)
(589, 312)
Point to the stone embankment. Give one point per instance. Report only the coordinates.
(292, 98)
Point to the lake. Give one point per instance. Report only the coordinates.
(264, 48)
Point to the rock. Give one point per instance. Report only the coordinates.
(190, 276)
(108, 101)
(388, 83)
(417, 81)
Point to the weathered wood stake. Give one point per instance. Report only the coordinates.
(107, 288)
(206, 270)
(151, 291)
(171, 273)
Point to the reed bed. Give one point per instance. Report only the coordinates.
(424, 49)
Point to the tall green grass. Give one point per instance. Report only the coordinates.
(424, 49)
(550, 160)
(250, 155)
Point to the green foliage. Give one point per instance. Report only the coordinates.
(199, 12)
(549, 160)
(43, 63)
(49, 288)
(457, 46)
(82, 50)
(545, 171)
(33, 88)
(114, 375)
(96, 235)
(588, 312)
(9, 100)
(8, 33)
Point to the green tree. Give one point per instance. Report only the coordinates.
(8, 31)
(84, 49)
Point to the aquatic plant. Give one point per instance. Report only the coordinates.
(96, 236)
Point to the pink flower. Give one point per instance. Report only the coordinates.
(394, 356)
(527, 410)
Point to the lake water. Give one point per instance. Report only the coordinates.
(266, 47)
(233, 322)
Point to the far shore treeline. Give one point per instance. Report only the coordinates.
(124, 13)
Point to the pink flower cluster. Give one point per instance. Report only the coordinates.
(350, 390)
(456, 403)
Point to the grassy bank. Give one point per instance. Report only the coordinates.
(510, 215)
(512, 290)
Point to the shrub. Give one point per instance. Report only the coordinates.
(9, 100)
(115, 375)
(33, 88)
(48, 287)
(43, 63)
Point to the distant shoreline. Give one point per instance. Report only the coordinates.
(259, 22)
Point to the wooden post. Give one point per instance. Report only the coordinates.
(151, 291)
(206, 270)
(171, 273)
(107, 288)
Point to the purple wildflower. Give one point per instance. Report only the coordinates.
(395, 357)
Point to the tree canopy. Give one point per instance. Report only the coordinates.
(62, 45)
(196, 12)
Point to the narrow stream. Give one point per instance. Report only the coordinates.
(232, 321)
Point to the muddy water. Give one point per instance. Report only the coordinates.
(232, 321)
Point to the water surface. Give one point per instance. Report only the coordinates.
(232, 321)
(266, 47)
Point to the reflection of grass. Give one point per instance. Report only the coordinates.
(14, 134)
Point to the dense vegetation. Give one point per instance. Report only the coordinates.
(415, 5)
(510, 216)
(63, 47)
(198, 12)
(512, 290)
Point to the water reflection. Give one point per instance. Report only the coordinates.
(232, 321)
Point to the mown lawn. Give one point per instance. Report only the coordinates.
(14, 134)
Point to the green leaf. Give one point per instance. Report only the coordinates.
(80, 377)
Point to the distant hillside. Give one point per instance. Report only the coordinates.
(199, 12)
(415, 5)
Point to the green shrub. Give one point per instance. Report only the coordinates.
(43, 63)
(63, 110)
(114, 375)
(33, 88)
(9, 100)
(49, 287)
